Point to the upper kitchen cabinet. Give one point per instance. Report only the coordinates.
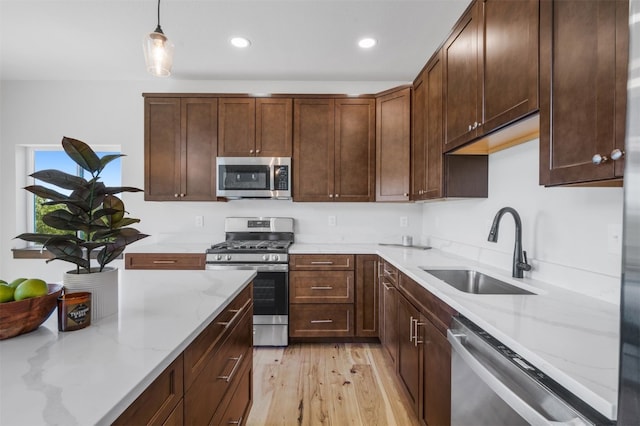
(584, 59)
(334, 149)
(180, 146)
(491, 69)
(259, 127)
(393, 144)
(435, 175)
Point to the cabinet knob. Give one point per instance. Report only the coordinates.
(470, 127)
(176, 195)
(599, 159)
(475, 125)
(337, 195)
(257, 151)
(406, 194)
(182, 195)
(617, 154)
(250, 151)
(330, 195)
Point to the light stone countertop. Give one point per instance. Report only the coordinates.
(90, 376)
(571, 337)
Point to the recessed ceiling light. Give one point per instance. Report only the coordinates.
(240, 42)
(367, 43)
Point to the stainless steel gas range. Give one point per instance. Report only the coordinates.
(261, 244)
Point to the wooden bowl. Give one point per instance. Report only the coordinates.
(26, 315)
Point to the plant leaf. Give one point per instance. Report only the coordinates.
(46, 193)
(106, 159)
(60, 179)
(82, 154)
(119, 189)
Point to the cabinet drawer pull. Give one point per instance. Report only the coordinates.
(228, 378)
(416, 342)
(387, 286)
(325, 321)
(164, 262)
(322, 262)
(327, 287)
(236, 312)
(235, 422)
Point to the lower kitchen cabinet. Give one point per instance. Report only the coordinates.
(388, 295)
(210, 382)
(436, 390)
(333, 295)
(410, 350)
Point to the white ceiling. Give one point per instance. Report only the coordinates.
(306, 40)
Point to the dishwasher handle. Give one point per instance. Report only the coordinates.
(525, 410)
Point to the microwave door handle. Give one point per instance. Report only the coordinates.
(272, 173)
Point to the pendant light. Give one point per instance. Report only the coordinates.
(158, 51)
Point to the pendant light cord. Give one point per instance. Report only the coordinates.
(158, 29)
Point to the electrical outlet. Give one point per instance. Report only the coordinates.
(404, 221)
(199, 221)
(331, 220)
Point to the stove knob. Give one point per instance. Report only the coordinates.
(218, 257)
(275, 257)
(265, 257)
(228, 257)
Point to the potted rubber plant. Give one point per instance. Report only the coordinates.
(91, 218)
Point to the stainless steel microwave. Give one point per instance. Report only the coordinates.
(254, 177)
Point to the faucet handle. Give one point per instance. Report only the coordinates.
(524, 265)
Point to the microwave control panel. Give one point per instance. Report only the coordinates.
(281, 178)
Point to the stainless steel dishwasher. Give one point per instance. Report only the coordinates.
(492, 385)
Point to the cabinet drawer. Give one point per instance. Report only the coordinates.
(235, 407)
(176, 418)
(435, 309)
(321, 320)
(210, 339)
(209, 387)
(164, 261)
(321, 287)
(156, 404)
(319, 262)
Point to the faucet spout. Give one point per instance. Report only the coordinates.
(519, 256)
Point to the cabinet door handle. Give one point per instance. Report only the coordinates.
(617, 154)
(411, 329)
(235, 422)
(470, 127)
(326, 287)
(322, 262)
(387, 286)
(416, 342)
(228, 378)
(324, 321)
(164, 262)
(598, 159)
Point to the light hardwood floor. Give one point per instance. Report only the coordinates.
(327, 384)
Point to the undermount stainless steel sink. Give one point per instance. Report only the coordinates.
(475, 282)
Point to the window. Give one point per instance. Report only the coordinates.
(42, 158)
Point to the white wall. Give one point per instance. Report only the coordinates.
(565, 230)
(112, 113)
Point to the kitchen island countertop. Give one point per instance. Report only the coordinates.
(571, 337)
(90, 376)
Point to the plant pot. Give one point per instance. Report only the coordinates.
(103, 287)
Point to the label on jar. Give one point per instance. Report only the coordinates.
(74, 311)
(79, 314)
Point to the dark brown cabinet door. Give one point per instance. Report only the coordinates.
(510, 66)
(237, 127)
(418, 139)
(354, 150)
(393, 145)
(199, 148)
(162, 156)
(436, 401)
(410, 349)
(313, 149)
(180, 149)
(367, 295)
(433, 129)
(463, 101)
(583, 62)
(274, 118)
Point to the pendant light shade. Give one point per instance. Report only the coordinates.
(158, 51)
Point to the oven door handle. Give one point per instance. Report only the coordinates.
(525, 410)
